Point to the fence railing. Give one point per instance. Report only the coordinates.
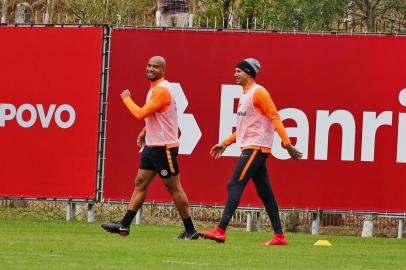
(196, 21)
(250, 219)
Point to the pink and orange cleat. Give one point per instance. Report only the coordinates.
(277, 240)
(217, 234)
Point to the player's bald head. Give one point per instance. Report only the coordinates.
(158, 60)
(156, 68)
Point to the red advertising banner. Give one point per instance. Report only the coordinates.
(49, 111)
(342, 99)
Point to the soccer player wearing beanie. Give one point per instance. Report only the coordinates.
(257, 120)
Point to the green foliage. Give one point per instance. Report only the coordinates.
(212, 13)
(91, 11)
(304, 15)
(255, 12)
(113, 12)
(321, 14)
(300, 15)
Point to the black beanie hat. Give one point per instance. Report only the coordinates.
(250, 66)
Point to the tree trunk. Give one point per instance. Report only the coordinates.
(47, 18)
(20, 13)
(226, 12)
(4, 12)
(368, 10)
(370, 15)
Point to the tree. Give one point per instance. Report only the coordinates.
(4, 12)
(371, 10)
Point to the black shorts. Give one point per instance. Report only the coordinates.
(161, 159)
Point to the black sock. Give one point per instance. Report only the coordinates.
(128, 218)
(189, 227)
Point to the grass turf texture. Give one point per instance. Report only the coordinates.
(33, 244)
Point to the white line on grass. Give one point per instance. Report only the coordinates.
(30, 254)
(194, 263)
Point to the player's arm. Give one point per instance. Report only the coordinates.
(219, 148)
(264, 104)
(141, 137)
(159, 99)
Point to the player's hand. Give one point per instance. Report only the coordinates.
(293, 152)
(141, 138)
(125, 93)
(217, 150)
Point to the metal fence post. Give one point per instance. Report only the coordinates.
(400, 229)
(315, 223)
(259, 221)
(70, 211)
(249, 221)
(138, 216)
(368, 226)
(101, 153)
(91, 212)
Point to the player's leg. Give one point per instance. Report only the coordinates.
(144, 177)
(246, 166)
(264, 190)
(175, 189)
(142, 181)
(165, 160)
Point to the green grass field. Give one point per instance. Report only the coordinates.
(34, 244)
